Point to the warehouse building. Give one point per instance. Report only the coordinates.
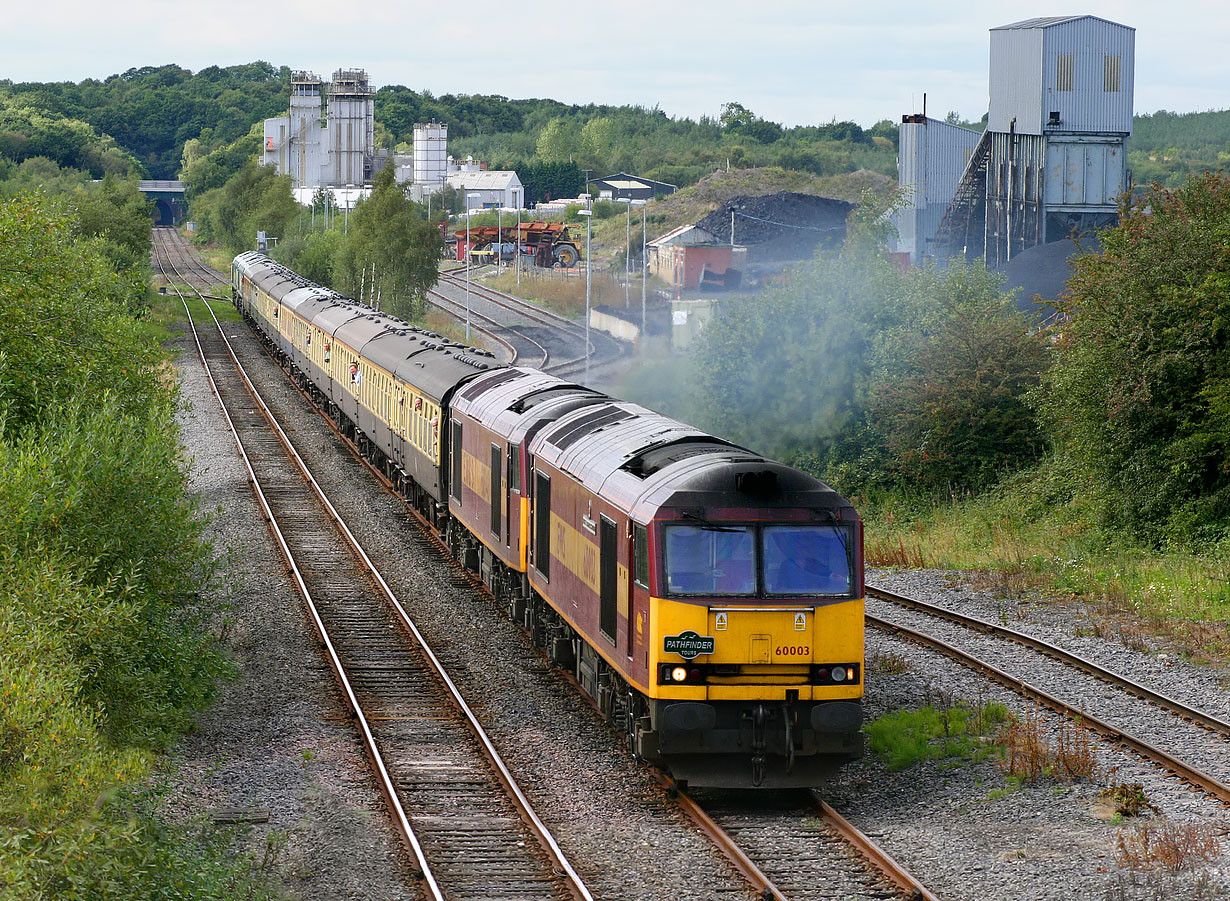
(1053, 158)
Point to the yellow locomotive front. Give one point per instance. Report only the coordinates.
(756, 658)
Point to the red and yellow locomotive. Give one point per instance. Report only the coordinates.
(710, 601)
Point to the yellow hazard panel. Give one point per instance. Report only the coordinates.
(755, 651)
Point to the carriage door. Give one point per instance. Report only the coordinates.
(608, 588)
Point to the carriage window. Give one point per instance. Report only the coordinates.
(807, 560)
(710, 560)
(514, 467)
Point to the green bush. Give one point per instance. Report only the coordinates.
(105, 655)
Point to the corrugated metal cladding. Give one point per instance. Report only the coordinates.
(930, 161)
(1082, 68)
(1083, 172)
(932, 157)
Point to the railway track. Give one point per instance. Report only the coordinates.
(570, 360)
(792, 846)
(523, 349)
(1188, 742)
(177, 256)
(465, 823)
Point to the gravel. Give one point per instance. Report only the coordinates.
(276, 739)
(966, 831)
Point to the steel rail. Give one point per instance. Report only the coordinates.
(874, 854)
(1208, 721)
(546, 839)
(1183, 770)
(457, 311)
(728, 847)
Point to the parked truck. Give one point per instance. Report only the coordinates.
(548, 244)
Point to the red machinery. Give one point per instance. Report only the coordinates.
(548, 243)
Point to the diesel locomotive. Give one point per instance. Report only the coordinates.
(708, 600)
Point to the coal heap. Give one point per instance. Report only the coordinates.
(1043, 272)
(782, 226)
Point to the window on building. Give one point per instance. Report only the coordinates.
(1110, 73)
(1065, 72)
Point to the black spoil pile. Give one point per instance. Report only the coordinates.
(1043, 271)
(782, 226)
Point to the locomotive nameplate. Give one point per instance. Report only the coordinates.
(688, 644)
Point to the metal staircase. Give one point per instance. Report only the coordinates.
(968, 200)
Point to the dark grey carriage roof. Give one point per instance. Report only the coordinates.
(432, 364)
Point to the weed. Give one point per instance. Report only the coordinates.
(1173, 846)
(1029, 755)
(888, 663)
(885, 553)
(1129, 799)
(308, 755)
(934, 732)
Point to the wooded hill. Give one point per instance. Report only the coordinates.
(156, 121)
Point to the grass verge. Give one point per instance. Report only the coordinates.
(1016, 544)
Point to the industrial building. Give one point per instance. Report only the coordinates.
(1052, 160)
(487, 189)
(337, 151)
(623, 186)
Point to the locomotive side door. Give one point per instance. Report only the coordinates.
(608, 584)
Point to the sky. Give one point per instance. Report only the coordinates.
(787, 61)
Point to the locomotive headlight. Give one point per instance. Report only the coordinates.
(838, 674)
(679, 674)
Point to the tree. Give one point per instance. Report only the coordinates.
(559, 140)
(1138, 400)
(951, 381)
(394, 245)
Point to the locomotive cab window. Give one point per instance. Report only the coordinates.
(807, 560)
(710, 560)
(454, 486)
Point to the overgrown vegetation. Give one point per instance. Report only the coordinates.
(1088, 457)
(1034, 749)
(101, 557)
(938, 731)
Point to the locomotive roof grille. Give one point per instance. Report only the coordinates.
(473, 391)
(545, 394)
(567, 435)
(654, 459)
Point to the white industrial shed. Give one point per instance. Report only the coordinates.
(488, 188)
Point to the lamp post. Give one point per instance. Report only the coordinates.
(589, 215)
(499, 237)
(518, 256)
(642, 204)
(628, 255)
(469, 197)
